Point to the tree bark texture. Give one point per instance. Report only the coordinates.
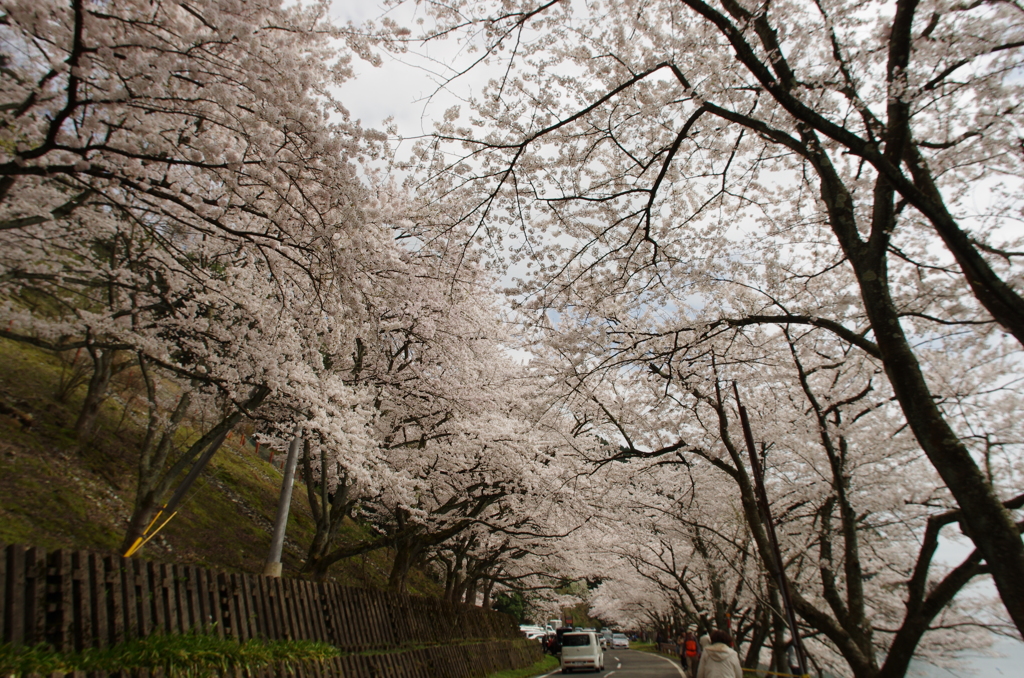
(96, 392)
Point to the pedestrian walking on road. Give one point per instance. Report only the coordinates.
(719, 660)
(691, 654)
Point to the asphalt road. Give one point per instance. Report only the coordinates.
(633, 664)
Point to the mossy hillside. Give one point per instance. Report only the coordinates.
(49, 490)
(58, 493)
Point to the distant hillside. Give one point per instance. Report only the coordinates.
(57, 493)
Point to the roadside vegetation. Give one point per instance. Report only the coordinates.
(545, 665)
(190, 655)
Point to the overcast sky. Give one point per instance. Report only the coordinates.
(406, 88)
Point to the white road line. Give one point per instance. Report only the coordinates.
(611, 672)
(673, 664)
(617, 659)
(619, 665)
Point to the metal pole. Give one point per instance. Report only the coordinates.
(762, 500)
(272, 568)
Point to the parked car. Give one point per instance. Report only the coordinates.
(620, 640)
(581, 651)
(531, 632)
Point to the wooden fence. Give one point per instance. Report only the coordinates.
(76, 599)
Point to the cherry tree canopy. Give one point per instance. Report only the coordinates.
(178, 184)
(849, 167)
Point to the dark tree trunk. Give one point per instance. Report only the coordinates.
(985, 520)
(758, 634)
(329, 512)
(488, 587)
(469, 596)
(407, 552)
(96, 393)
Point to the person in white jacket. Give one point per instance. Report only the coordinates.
(719, 660)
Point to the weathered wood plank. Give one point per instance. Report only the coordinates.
(327, 613)
(265, 625)
(183, 597)
(59, 600)
(130, 600)
(223, 602)
(110, 571)
(359, 619)
(280, 611)
(291, 609)
(5, 588)
(35, 596)
(311, 614)
(157, 589)
(14, 604)
(82, 597)
(363, 608)
(169, 583)
(308, 609)
(250, 599)
(297, 607)
(139, 585)
(402, 618)
(317, 610)
(194, 617)
(214, 603)
(97, 592)
(240, 601)
(202, 587)
(347, 636)
(256, 606)
(380, 616)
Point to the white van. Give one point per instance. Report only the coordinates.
(581, 651)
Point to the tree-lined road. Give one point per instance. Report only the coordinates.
(634, 664)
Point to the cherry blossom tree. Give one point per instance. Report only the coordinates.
(457, 445)
(859, 513)
(178, 186)
(766, 147)
(214, 114)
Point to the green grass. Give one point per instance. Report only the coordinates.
(188, 655)
(195, 655)
(545, 665)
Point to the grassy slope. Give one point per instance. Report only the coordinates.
(56, 493)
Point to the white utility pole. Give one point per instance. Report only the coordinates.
(272, 568)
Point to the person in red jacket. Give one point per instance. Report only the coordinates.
(691, 653)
